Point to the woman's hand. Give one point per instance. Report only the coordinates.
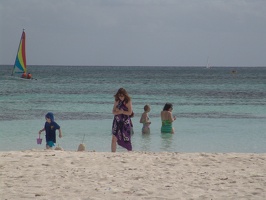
(119, 112)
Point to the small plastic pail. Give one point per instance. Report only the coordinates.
(39, 140)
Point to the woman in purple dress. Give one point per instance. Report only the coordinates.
(122, 124)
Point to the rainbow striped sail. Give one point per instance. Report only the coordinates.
(20, 63)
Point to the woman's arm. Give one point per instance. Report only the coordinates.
(116, 111)
(171, 117)
(129, 106)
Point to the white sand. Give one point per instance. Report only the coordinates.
(50, 174)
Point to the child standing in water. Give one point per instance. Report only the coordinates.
(50, 128)
(145, 119)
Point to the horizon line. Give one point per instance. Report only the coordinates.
(62, 65)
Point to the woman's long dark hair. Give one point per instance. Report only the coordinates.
(167, 106)
(123, 92)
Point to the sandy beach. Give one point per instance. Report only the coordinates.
(51, 174)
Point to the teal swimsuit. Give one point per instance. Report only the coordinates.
(166, 126)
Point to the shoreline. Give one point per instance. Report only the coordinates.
(52, 174)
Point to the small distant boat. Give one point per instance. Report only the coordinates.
(20, 66)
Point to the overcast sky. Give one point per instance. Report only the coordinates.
(135, 32)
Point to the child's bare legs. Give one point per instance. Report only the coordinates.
(48, 147)
(113, 145)
(146, 130)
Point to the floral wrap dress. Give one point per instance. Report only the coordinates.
(121, 127)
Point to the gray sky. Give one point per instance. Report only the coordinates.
(135, 32)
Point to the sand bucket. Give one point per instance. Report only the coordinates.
(39, 140)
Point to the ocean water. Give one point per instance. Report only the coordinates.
(217, 111)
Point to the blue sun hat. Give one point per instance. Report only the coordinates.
(50, 116)
(50, 143)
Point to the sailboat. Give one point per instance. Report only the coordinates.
(208, 66)
(20, 66)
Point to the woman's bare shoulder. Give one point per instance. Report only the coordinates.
(129, 103)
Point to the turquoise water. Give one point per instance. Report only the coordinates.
(216, 111)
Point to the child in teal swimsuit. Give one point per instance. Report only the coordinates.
(145, 119)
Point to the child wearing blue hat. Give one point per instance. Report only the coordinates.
(50, 128)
